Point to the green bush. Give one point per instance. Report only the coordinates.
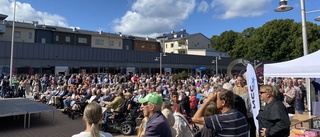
(179, 76)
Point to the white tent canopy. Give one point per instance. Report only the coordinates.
(304, 67)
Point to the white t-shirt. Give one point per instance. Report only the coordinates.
(87, 134)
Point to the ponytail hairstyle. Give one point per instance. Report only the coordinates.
(93, 116)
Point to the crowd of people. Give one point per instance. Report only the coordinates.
(220, 104)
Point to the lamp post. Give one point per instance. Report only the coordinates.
(216, 62)
(160, 60)
(284, 7)
(12, 41)
(255, 63)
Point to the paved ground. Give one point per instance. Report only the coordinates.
(43, 126)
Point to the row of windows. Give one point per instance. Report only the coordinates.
(17, 34)
(151, 46)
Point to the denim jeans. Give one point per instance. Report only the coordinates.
(299, 106)
(67, 102)
(4, 92)
(106, 115)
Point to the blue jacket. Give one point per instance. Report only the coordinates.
(157, 126)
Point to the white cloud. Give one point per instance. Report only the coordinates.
(203, 6)
(149, 16)
(25, 12)
(240, 8)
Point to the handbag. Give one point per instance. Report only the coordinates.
(289, 100)
(187, 125)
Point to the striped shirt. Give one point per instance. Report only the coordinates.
(229, 124)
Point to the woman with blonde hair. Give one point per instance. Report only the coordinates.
(142, 127)
(167, 112)
(92, 117)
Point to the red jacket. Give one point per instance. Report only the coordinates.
(193, 102)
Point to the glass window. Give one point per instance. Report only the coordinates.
(111, 43)
(57, 37)
(99, 41)
(82, 40)
(43, 40)
(171, 45)
(30, 35)
(67, 38)
(17, 34)
(152, 47)
(127, 47)
(119, 43)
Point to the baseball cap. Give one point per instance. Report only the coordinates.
(153, 98)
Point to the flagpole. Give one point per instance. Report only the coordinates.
(12, 41)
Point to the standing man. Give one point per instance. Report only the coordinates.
(273, 118)
(157, 125)
(240, 87)
(44, 83)
(230, 123)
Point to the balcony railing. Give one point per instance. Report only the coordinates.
(177, 47)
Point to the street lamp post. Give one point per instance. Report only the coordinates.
(216, 62)
(255, 63)
(12, 41)
(160, 60)
(284, 7)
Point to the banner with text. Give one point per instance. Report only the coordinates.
(253, 92)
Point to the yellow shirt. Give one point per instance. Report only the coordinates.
(239, 90)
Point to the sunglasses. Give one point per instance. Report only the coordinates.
(261, 92)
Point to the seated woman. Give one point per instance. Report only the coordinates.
(69, 98)
(181, 124)
(95, 95)
(92, 118)
(168, 113)
(114, 105)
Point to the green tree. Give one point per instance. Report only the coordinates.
(276, 40)
(225, 41)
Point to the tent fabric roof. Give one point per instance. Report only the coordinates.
(305, 67)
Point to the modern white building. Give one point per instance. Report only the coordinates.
(183, 43)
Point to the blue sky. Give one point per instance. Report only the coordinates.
(154, 17)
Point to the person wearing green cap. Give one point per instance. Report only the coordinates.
(157, 125)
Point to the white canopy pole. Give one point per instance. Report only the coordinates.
(308, 95)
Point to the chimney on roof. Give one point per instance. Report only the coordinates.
(147, 38)
(183, 30)
(35, 23)
(100, 32)
(172, 32)
(74, 29)
(120, 34)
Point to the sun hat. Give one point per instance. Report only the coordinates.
(153, 98)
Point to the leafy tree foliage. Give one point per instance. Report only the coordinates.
(277, 40)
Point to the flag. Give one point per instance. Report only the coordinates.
(253, 91)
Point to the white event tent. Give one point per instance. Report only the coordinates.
(304, 67)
